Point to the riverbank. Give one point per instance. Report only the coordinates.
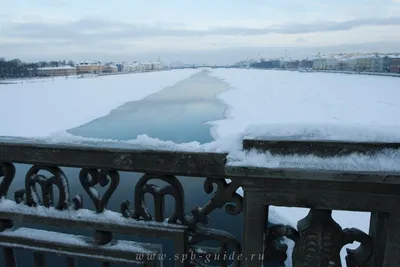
(132, 72)
(52, 78)
(359, 73)
(335, 71)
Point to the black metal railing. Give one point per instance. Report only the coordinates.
(44, 201)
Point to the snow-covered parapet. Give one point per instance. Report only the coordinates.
(41, 208)
(264, 186)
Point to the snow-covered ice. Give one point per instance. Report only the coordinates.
(275, 104)
(39, 109)
(286, 97)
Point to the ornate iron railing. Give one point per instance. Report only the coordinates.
(45, 202)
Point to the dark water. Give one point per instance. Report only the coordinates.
(176, 113)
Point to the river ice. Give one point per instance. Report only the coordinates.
(260, 104)
(37, 109)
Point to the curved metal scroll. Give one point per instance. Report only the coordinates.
(359, 256)
(318, 242)
(33, 179)
(7, 171)
(89, 178)
(225, 195)
(7, 174)
(274, 249)
(174, 189)
(220, 254)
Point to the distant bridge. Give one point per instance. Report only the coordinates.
(204, 66)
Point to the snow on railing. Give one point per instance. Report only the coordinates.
(45, 200)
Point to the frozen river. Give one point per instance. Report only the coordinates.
(209, 110)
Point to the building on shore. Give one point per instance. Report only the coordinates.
(292, 64)
(394, 63)
(147, 66)
(110, 68)
(157, 65)
(325, 63)
(89, 67)
(351, 63)
(380, 63)
(123, 67)
(267, 64)
(342, 65)
(306, 64)
(319, 63)
(364, 63)
(368, 63)
(2, 59)
(136, 67)
(331, 63)
(57, 71)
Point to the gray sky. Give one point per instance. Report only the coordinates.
(207, 31)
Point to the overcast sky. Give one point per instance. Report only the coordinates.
(206, 31)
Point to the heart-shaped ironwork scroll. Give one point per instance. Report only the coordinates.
(174, 189)
(58, 178)
(89, 178)
(7, 173)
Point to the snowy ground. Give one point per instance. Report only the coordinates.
(261, 104)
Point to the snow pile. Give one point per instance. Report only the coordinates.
(323, 131)
(385, 161)
(388, 160)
